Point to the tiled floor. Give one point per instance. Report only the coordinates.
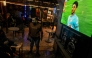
(46, 49)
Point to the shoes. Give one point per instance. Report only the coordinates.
(37, 54)
(30, 52)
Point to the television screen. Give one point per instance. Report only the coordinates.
(77, 14)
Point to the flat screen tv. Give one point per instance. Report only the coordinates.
(77, 14)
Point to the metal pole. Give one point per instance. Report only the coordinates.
(5, 12)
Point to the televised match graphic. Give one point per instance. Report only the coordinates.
(77, 14)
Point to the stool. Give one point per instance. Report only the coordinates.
(19, 46)
(49, 36)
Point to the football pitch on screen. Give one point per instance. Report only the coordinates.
(84, 13)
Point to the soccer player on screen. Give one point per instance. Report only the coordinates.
(73, 19)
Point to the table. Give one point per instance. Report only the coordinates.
(13, 29)
(50, 33)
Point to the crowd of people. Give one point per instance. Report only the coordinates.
(11, 20)
(14, 18)
(17, 18)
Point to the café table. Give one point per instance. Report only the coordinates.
(14, 29)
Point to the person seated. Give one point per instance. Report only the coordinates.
(6, 44)
(4, 39)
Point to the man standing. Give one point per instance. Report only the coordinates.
(35, 31)
(73, 19)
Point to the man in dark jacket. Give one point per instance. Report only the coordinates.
(35, 31)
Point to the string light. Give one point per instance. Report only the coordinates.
(25, 11)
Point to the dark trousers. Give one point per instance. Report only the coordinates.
(36, 41)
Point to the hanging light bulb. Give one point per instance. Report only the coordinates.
(4, 3)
